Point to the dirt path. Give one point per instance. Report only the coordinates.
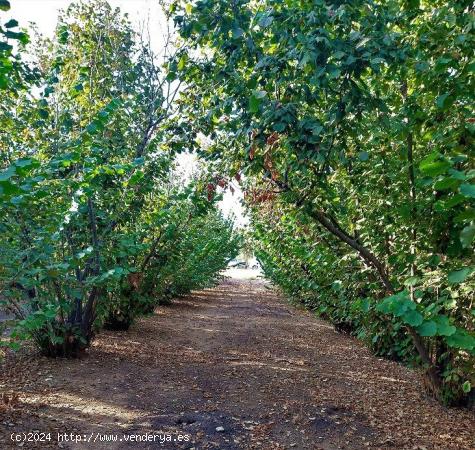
(236, 357)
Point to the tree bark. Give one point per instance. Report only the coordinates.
(89, 313)
(151, 252)
(412, 190)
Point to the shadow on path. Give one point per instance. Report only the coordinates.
(234, 367)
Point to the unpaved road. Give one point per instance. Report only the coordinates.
(237, 357)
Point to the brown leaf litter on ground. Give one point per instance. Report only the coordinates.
(234, 367)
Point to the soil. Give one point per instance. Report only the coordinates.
(234, 367)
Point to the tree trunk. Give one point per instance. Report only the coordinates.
(412, 193)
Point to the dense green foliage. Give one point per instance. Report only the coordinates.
(353, 125)
(96, 224)
(349, 124)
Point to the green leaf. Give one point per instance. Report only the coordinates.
(444, 328)
(377, 61)
(57, 339)
(7, 174)
(63, 34)
(135, 178)
(255, 100)
(11, 23)
(445, 183)
(411, 281)
(428, 328)
(265, 21)
(279, 127)
(20, 36)
(432, 169)
(8, 188)
(253, 104)
(363, 156)
(43, 113)
(92, 128)
(182, 61)
(171, 76)
(5, 47)
(365, 305)
(441, 100)
(259, 94)
(15, 346)
(468, 190)
(334, 73)
(26, 162)
(398, 304)
(16, 200)
(4, 5)
(316, 130)
(461, 339)
(466, 387)
(458, 175)
(237, 33)
(465, 216)
(467, 235)
(387, 304)
(413, 318)
(448, 202)
(459, 276)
